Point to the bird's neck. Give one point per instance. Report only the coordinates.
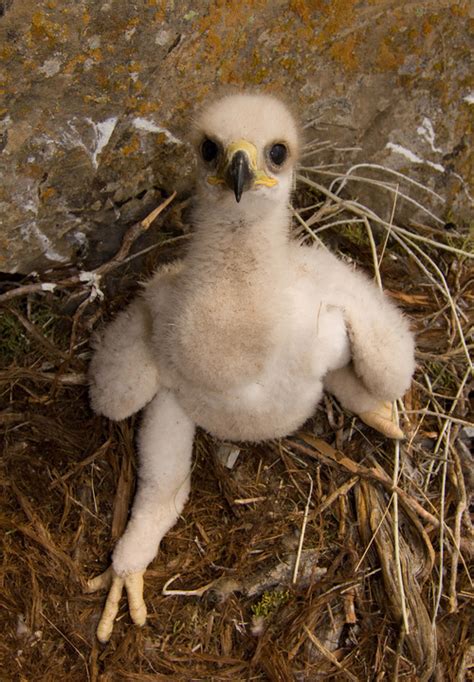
(241, 243)
(231, 295)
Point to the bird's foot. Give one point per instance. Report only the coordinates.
(382, 419)
(133, 584)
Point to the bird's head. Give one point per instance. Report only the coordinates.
(247, 147)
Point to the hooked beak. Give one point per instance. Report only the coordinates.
(239, 175)
(239, 169)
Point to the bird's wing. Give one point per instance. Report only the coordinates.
(123, 374)
(382, 345)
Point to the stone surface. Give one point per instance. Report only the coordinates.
(96, 98)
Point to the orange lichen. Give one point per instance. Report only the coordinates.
(131, 102)
(44, 29)
(340, 16)
(47, 193)
(287, 62)
(33, 170)
(96, 54)
(220, 14)
(427, 27)
(120, 69)
(388, 58)
(72, 63)
(146, 107)
(102, 78)
(132, 147)
(132, 23)
(302, 9)
(344, 52)
(214, 41)
(6, 52)
(460, 9)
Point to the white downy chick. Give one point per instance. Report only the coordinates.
(240, 336)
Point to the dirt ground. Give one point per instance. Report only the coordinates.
(381, 588)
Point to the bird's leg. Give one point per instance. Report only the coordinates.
(123, 373)
(353, 395)
(165, 446)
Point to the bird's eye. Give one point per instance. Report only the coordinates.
(209, 150)
(278, 154)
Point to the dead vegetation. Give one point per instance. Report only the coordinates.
(332, 554)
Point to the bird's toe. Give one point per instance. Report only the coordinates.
(136, 603)
(383, 419)
(100, 582)
(133, 584)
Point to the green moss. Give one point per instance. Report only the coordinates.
(441, 377)
(15, 342)
(356, 233)
(465, 242)
(269, 603)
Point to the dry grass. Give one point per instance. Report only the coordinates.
(332, 554)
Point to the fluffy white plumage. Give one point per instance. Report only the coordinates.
(242, 335)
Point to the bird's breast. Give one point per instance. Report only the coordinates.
(247, 373)
(223, 335)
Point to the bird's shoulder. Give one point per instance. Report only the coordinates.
(309, 259)
(165, 275)
(164, 280)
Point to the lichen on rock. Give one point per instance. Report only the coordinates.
(96, 98)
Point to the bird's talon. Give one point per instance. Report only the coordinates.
(382, 419)
(100, 582)
(133, 584)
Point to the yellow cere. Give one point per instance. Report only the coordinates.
(215, 180)
(261, 178)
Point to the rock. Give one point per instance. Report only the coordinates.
(96, 99)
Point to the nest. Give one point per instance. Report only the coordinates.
(332, 553)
